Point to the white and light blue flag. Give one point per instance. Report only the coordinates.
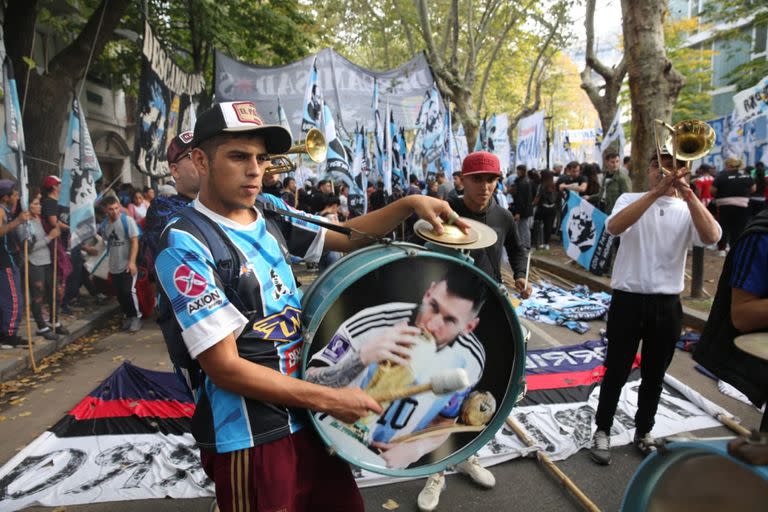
(78, 180)
(531, 141)
(585, 238)
(313, 102)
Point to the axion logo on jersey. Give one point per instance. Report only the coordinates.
(188, 282)
(208, 301)
(283, 326)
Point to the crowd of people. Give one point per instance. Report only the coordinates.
(219, 170)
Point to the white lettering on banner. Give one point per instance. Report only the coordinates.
(174, 78)
(560, 357)
(57, 471)
(751, 102)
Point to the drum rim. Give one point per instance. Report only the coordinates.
(637, 497)
(515, 378)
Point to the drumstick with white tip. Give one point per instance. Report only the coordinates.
(444, 382)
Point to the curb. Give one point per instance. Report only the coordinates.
(18, 362)
(691, 317)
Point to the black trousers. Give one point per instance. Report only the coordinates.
(41, 292)
(125, 289)
(547, 216)
(732, 220)
(657, 320)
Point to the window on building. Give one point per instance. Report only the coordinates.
(761, 38)
(722, 104)
(729, 54)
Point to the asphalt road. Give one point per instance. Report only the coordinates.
(521, 484)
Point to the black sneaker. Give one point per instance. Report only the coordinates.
(601, 448)
(47, 333)
(60, 329)
(9, 342)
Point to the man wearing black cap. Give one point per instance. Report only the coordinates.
(163, 208)
(246, 338)
(11, 302)
(656, 228)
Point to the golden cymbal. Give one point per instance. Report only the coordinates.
(479, 235)
(452, 235)
(755, 343)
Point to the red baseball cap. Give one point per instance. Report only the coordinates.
(51, 181)
(481, 162)
(178, 147)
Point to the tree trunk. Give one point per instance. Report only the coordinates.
(653, 83)
(50, 95)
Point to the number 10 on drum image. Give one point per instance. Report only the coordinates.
(435, 344)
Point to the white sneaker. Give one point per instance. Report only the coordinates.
(429, 496)
(601, 448)
(476, 472)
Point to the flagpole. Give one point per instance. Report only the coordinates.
(26, 300)
(54, 283)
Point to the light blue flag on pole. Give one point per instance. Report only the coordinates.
(313, 102)
(481, 144)
(358, 199)
(399, 178)
(78, 181)
(585, 238)
(378, 134)
(336, 160)
(12, 142)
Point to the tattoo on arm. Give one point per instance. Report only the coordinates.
(338, 375)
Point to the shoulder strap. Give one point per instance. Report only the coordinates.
(225, 255)
(124, 221)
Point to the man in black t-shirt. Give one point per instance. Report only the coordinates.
(53, 216)
(731, 190)
(573, 179)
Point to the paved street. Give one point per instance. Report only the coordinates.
(522, 484)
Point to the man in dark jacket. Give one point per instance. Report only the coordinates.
(739, 307)
(522, 208)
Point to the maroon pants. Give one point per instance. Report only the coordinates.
(292, 474)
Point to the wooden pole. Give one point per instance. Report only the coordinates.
(584, 501)
(55, 285)
(26, 300)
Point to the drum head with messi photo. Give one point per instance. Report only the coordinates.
(431, 338)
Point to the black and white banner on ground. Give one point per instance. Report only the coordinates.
(129, 439)
(166, 106)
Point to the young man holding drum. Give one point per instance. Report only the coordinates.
(249, 421)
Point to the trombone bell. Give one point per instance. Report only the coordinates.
(314, 146)
(687, 140)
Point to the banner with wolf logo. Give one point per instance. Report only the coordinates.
(166, 106)
(585, 238)
(78, 179)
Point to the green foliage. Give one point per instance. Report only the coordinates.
(694, 100)
(264, 32)
(729, 11)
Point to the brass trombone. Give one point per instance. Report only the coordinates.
(686, 141)
(314, 146)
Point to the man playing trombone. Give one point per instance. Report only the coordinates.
(656, 228)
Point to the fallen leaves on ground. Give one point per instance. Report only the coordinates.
(11, 390)
(390, 504)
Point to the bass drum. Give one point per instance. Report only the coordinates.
(696, 475)
(456, 382)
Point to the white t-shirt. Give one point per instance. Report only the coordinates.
(651, 257)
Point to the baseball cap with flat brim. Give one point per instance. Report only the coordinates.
(233, 117)
(481, 162)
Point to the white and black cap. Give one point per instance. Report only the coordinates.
(240, 117)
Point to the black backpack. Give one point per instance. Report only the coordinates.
(227, 261)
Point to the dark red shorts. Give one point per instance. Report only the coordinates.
(293, 474)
